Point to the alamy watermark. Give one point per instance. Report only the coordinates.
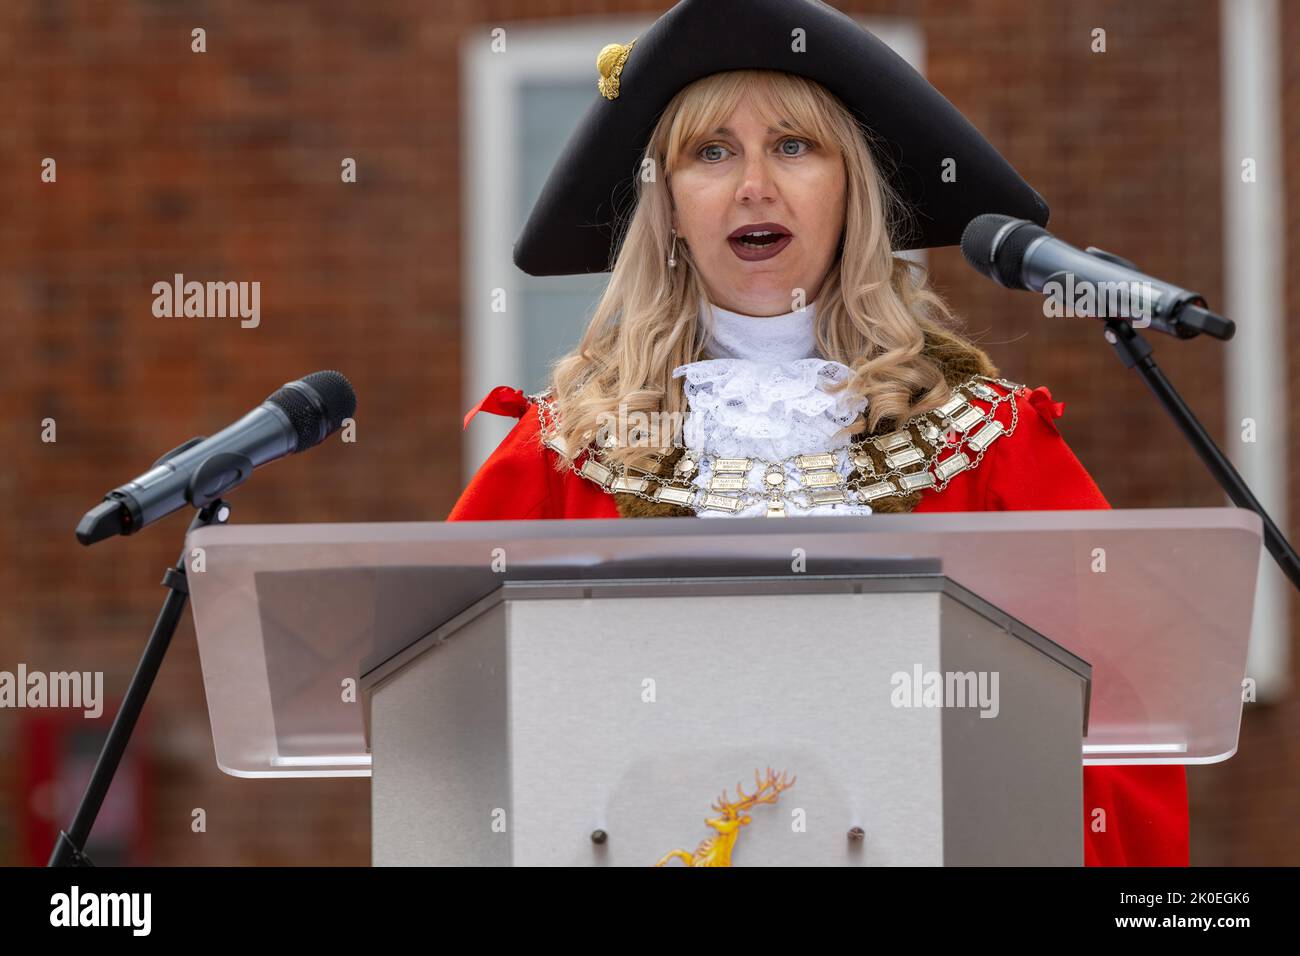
(922, 688)
(638, 429)
(211, 300)
(133, 911)
(82, 690)
(1133, 300)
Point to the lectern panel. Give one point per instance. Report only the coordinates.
(291, 617)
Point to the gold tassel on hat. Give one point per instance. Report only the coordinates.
(610, 62)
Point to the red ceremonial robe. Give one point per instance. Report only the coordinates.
(1033, 469)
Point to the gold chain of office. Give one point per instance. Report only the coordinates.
(909, 459)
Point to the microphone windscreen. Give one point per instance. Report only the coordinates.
(337, 393)
(995, 246)
(316, 405)
(977, 241)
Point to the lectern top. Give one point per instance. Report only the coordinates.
(1157, 601)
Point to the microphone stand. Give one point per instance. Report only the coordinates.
(70, 848)
(1136, 353)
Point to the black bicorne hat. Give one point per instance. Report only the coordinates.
(572, 227)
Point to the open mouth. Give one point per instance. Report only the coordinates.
(760, 240)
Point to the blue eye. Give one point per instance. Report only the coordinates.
(703, 152)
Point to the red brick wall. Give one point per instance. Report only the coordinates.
(225, 166)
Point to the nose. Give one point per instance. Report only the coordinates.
(756, 184)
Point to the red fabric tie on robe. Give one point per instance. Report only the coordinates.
(1145, 819)
(502, 400)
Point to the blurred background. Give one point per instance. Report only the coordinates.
(1169, 147)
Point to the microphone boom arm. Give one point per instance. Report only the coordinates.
(1135, 352)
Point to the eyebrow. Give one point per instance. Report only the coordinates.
(726, 131)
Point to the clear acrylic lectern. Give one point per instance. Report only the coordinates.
(568, 680)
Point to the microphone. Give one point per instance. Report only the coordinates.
(1020, 254)
(296, 417)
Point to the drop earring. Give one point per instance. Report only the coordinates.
(672, 255)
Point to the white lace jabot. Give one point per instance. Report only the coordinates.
(761, 396)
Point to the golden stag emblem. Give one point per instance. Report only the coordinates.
(716, 850)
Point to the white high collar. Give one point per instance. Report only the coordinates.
(769, 339)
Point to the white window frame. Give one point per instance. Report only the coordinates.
(1254, 272)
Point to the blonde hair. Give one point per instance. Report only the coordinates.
(875, 312)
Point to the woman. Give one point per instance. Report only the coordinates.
(759, 350)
